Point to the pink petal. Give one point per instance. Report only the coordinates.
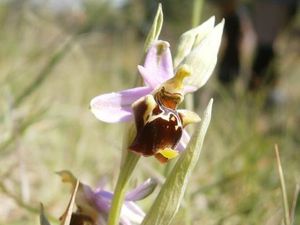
(183, 141)
(158, 66)
(116, 106)
(142, 191)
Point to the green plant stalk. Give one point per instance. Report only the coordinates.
(197, 12)
(196, 16)
(126, 170)
(287, 220)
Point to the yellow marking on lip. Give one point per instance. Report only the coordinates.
(168, 153)
(151, 104)
(177, 81)
(188, 117)
(174, 86)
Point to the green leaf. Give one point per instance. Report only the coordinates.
(43, 218)
(155, 28)
(169, 198)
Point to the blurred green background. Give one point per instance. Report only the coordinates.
(55, 56)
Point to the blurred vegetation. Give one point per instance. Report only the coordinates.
(52, 62)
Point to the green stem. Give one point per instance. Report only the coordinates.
(197, 11)
(121, 187)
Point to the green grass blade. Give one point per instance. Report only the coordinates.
(169, 198)
(287, 220)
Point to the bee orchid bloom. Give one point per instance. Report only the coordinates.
(153, 107)
(93, 206)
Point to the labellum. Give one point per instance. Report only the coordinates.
(159, 124)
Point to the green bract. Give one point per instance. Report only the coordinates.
(155, 28)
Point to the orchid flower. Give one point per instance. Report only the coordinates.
(153, 107)
(93, 206)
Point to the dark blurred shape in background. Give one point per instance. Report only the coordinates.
(269, 19)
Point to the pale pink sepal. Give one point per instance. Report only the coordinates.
(116, 106)
(158, 66)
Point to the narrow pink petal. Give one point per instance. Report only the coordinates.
(158, 66)
(142, 191)
(116, 106)
(183, 141)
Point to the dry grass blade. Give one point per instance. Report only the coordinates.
(287, 220)
(66, 217)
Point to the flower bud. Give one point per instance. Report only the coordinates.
(191, 38)
(203, 57)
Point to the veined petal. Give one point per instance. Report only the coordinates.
(203, 58)
(158, 66)
(142, 191)
(192, 38)
(185, 138)
(116, 106)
